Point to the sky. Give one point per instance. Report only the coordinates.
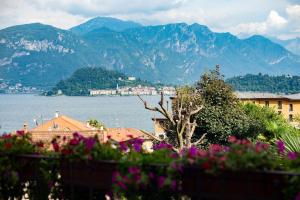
(274, 18)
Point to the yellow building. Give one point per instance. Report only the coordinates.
(287, 105)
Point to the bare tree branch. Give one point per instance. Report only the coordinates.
(200, 140)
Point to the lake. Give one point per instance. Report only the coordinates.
(117, 111)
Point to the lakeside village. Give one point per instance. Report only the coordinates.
(133, 91)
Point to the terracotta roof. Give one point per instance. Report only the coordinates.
(62, 126)
(123, 134)
(62, 123)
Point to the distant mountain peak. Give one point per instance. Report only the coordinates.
(107, 22)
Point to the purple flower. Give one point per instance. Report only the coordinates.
(162, 145)
(292, 155)
(78, 136)
(192, 152)
(280, 146)
(123, 146)
(137, 144)
(89, 143)
(161, 181)
(134, 170)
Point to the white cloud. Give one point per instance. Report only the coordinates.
(275, 25)
(268, 17)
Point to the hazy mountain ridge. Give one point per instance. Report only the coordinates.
(38, 54)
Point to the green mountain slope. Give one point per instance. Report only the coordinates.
(266, 83)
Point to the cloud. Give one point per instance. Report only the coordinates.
(275, 25)
(280, 17)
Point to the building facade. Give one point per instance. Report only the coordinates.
(286, 105)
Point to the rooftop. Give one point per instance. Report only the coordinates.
(262, 95)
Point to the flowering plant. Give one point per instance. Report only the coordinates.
(11, 167)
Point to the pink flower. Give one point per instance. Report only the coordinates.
(292, 155)
(20, 133)
(55, 146)
(232, 139)
(280, 146)
(6, 136)
(74, 142)
(215, 148)
(161, 181)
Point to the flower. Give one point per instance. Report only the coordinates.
(89, 143)
(20, 133)
(280, 146)
(162, 145)
(232, 139)
(137, 144)
(134, 170)
(8, 145)
(40, 144)
(192, 152)
(74, 142)
(55, 146)
(6, 136)
(161, 181)
(292, 155)
(215, 148)
(123, 146)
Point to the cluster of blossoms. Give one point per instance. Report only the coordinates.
(282, 151)
(20, 142)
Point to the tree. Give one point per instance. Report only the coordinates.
(222, 114)
(180, 124)
(95, 123)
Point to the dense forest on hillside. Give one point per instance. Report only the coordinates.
(93, 78)
(265, 83)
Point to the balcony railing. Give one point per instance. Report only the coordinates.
(93, 180)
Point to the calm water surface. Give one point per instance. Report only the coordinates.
(15, 110)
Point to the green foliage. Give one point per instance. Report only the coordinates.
(265, 121)
(291, 141)
(97, 124)
(85, 79)
(222, 114)
(266, 83)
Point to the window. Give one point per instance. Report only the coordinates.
(291, 107)
(290, 118)
(267, 103)
(253, 102)
(279, 112)
(279, 104)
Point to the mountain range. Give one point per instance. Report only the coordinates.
(41, 55)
